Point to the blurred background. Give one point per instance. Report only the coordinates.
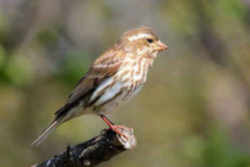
(194, 110)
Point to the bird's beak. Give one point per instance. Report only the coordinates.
(160, 46)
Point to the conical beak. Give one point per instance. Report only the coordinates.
(161, 46)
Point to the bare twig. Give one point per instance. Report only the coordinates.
(94, 151)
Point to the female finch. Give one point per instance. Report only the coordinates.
(115, 77)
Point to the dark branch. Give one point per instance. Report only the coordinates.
(94, 151)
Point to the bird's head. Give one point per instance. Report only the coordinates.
(143, 41)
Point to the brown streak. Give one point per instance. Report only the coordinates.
(139, 68)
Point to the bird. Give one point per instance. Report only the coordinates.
(112, 79)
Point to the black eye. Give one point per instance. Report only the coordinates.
(150, 40)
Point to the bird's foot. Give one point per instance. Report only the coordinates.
(120, 129)
(125, 135)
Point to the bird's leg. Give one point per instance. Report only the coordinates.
(116, 128)
(107, 120)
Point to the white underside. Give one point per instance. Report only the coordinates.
(110, 93)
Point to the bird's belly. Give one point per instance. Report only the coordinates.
(132, 92)
(109, 93)
(114, 97)
(109, 106)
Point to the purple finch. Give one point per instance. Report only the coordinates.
(115, 77)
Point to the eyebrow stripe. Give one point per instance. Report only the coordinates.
(138, 36)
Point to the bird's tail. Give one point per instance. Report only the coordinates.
(44, 134)
(62, 115)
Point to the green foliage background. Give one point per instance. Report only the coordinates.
(194, 110)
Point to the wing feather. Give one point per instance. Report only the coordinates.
(102, 69)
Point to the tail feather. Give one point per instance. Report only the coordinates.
(44, 134)
(62, 115)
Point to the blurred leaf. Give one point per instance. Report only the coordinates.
(75, 66)
(219, 152)
(19, 70)
(233, 8)
(2, 56)
(47, 36)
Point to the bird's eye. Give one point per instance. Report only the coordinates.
(150, 40)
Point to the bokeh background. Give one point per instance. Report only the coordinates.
(194, 110)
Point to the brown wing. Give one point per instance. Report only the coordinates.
(103, 68)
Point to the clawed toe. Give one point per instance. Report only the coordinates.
(119, 129)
